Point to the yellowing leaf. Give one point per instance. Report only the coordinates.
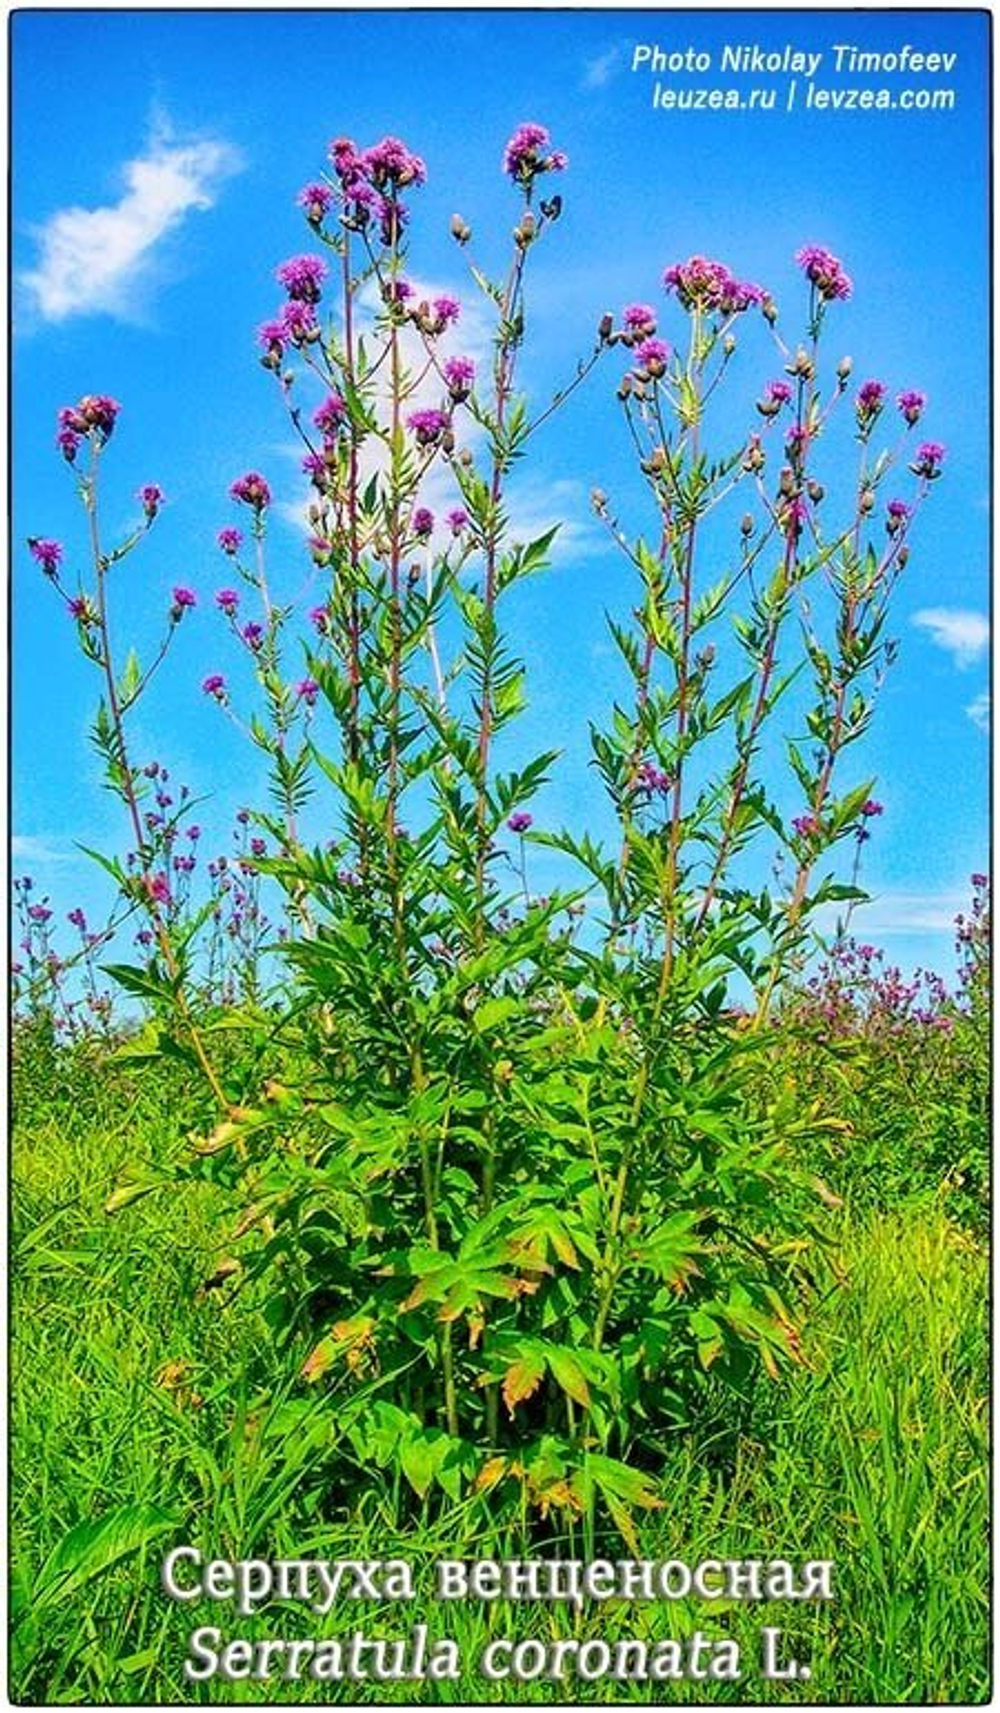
(523, 1379)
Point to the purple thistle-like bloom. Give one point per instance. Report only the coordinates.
(79, 608)
(48, 554)
(391, 162)
(319, 618)
(78, 919)
(307, 690)
(652, 778)
(871, 807)
(272, 335)
(39, 913)
(345, 158)
(315, 199)
(152, 499)
(653, 355)
(779, 392)
(258, 847)
(228, 600)
(807, 826)
(329, 417)
(911, 404)
(194, 833)
(709, 286)
(639, 318)
(95, 411)
(230, 540)
(524, 156)
(520, 821)
(898, 513)
(447, 310)
(298, 321)
(428, 425)
(871, 397)
(253, 635)
(825, 272)
(214, 685)
(302, 278)
(422, 522)
(184, 597)
(252, 490)
(929, 458)
(320, 549)
(68, 444)
(457, 520)
(459, 376)
(397, 291)
(315, 467)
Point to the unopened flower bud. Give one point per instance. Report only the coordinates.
(625, 386)
(844, 368)
(769, 310)
(604, 327)
(459, 230)
(902, 556)
(802, 365)
(866, 500)
(816, 491)
(598, 499)
(786, 482)
(729, 344)
(746, 524)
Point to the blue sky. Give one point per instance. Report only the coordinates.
(156, 161)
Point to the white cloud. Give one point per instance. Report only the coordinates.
(979, 711)
(600, 71)
(91, 259)
(910, 913)
(963, 634)
(38, 847)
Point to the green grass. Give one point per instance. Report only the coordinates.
(146, 1411)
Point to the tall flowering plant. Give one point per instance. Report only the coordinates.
(513, 1191)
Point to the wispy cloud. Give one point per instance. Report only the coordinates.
(39, 847)
(979, 711)
(91, 260)
(911, 913)
(601, 70)
(963, 634)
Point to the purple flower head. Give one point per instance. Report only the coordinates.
(230, 540)
(639, 318)
(928, 461)
(258, 847)
(779, 392)
(520, 821)
(345, 158)
(652, 778)
(320, 549)
(272, 335)
(252, 490)
(525, 157)
(316, 468)
(152, 499)
(897, 514)
(652, 356)
(95, 412)
(79, 608)
(194, 833)
(428, 426)
(710, 287)
(397, 291)
(871, 397)
(807, 826)
(329, 417)
(47, 553)
(911, 406)
(391, 162)
(447, 310)
(422, 522)
(315, 199)
(227, 601)
(78, 919)
(68, 444)
(457, 520)
(298, 321)
(871, 807)
(319, 618)
(214, 685)
(307, 691)
(253, 635)
(184, 597)
(302, 278)
(459, 376)
(825, 272)
(39, 913)
(158, 888)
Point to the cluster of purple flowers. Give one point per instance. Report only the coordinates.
(711, 288)
(251, 490)
(825, 272)
(527, 155)
(95, 414)
(429, 426)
